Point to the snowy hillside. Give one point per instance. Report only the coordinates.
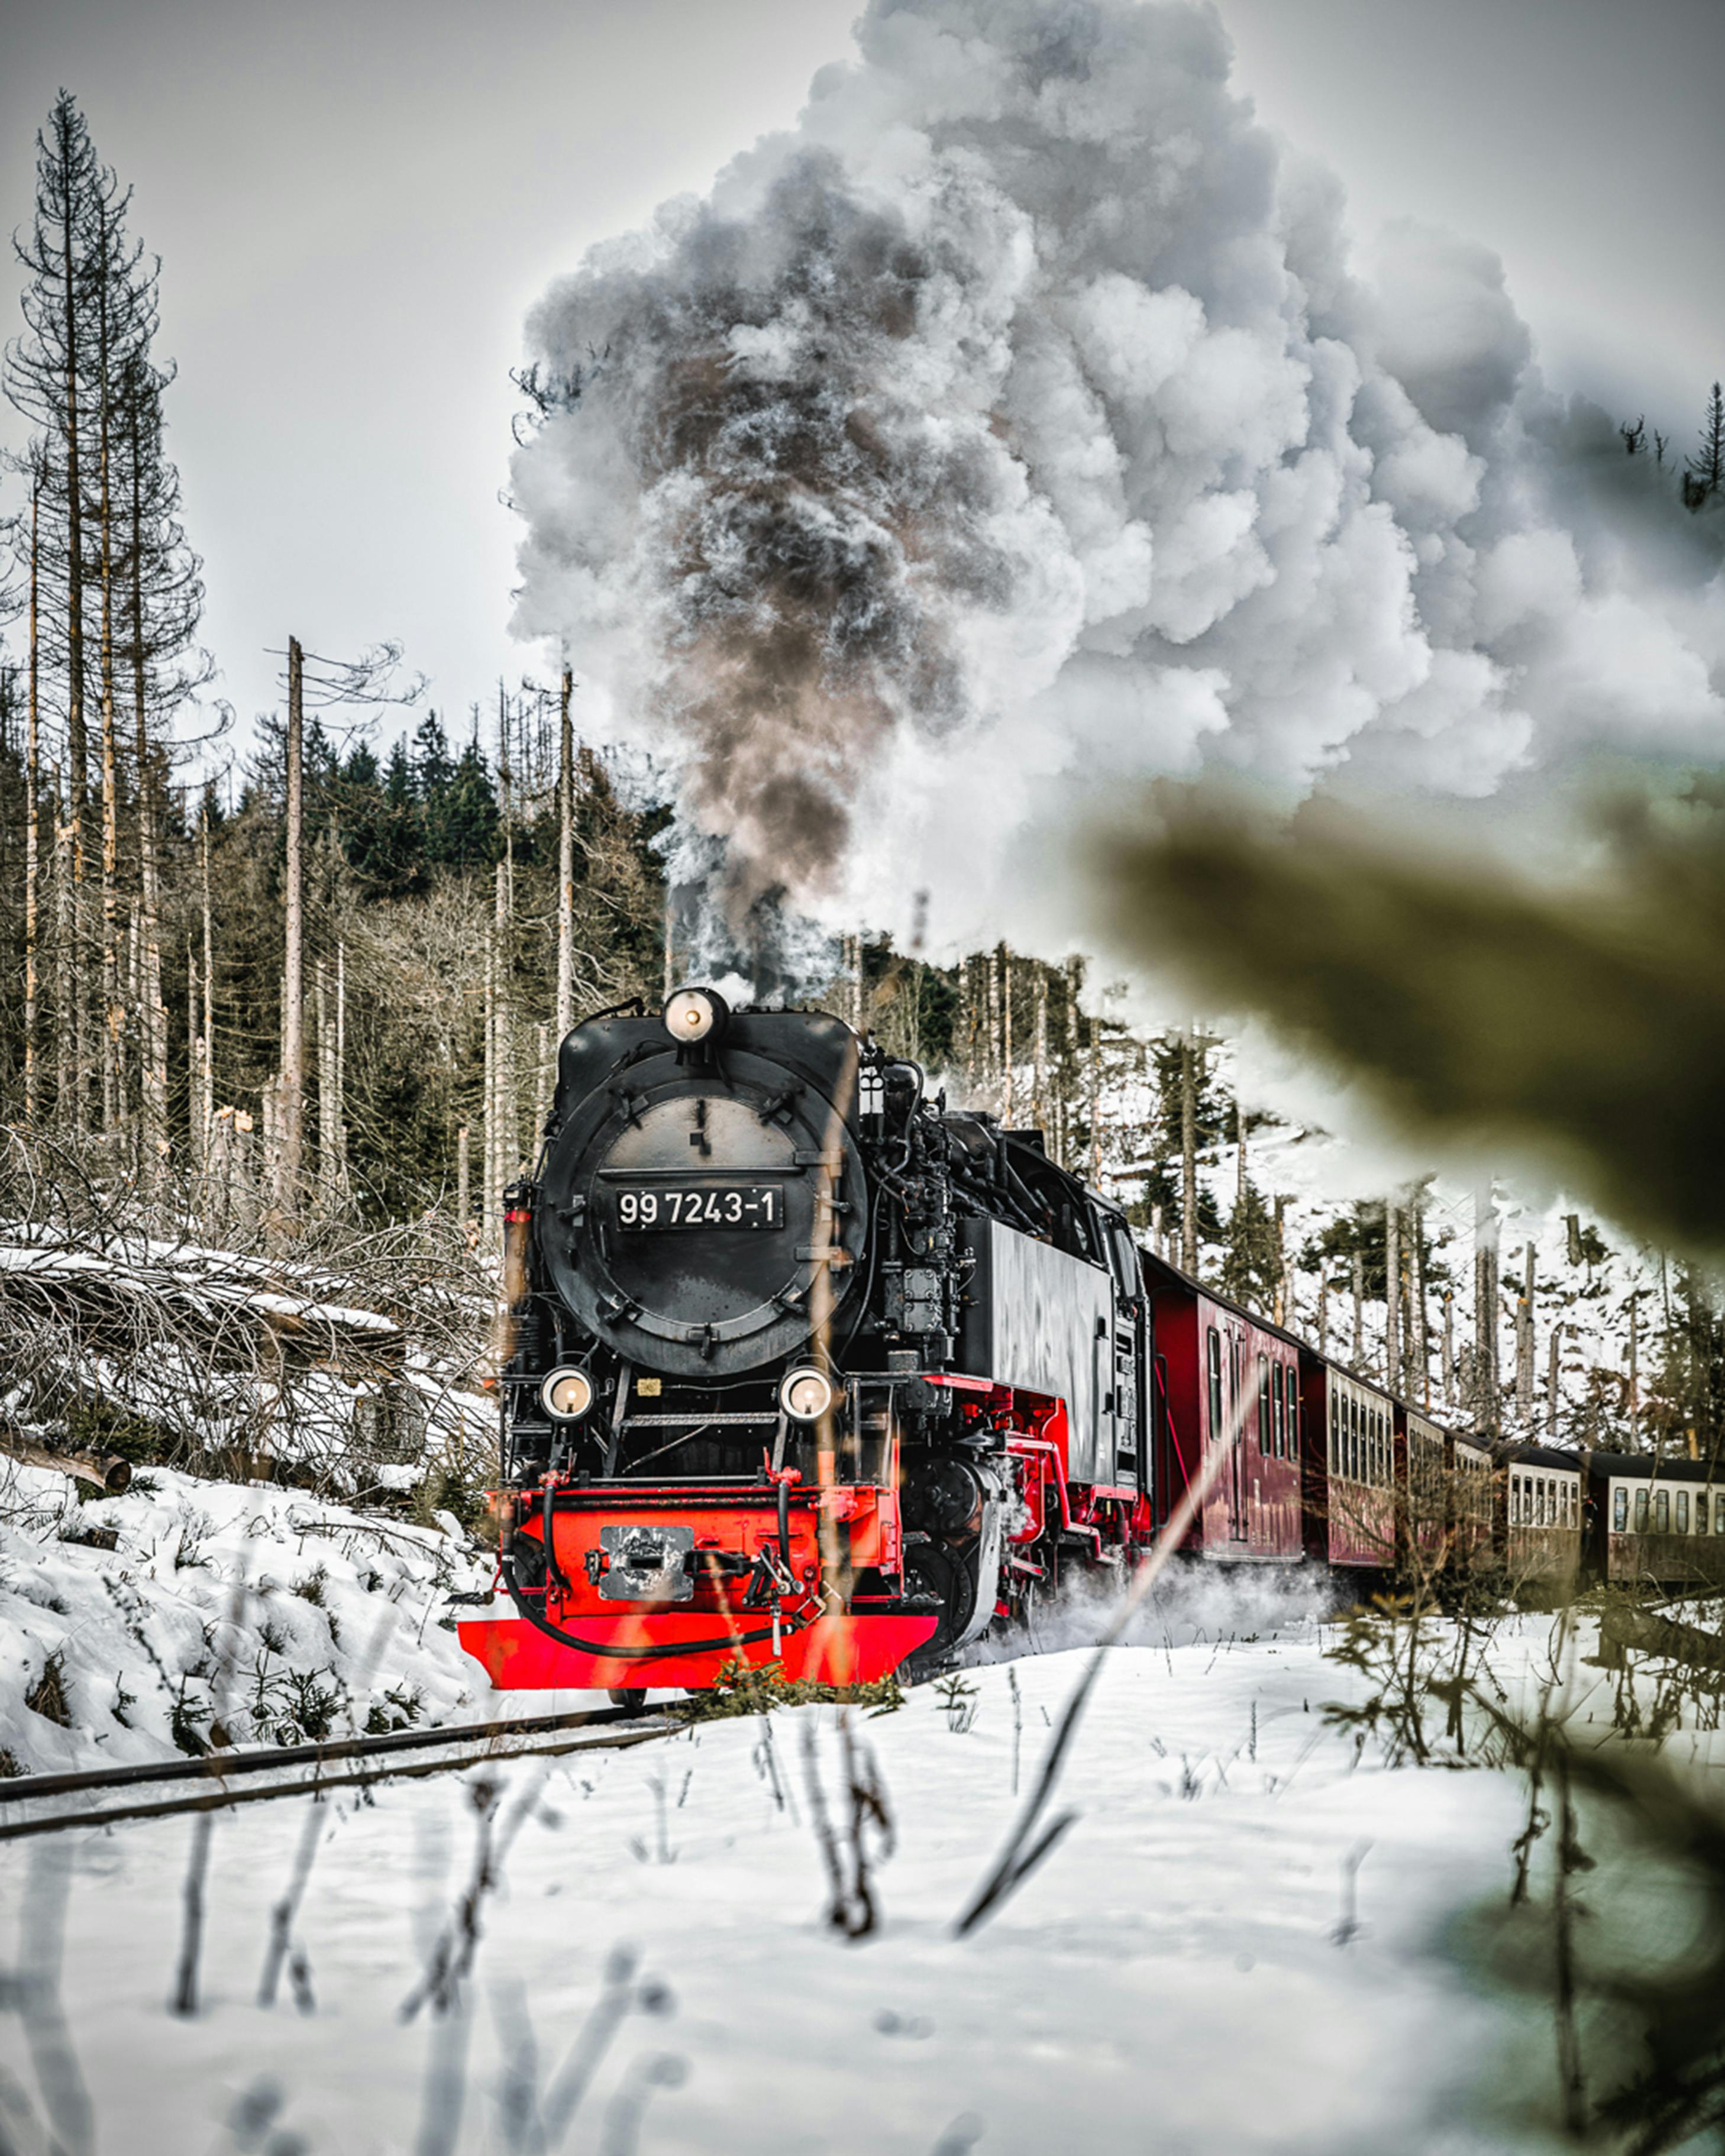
(135, 1627)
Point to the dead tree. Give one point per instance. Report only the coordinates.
(566, 857)
(1190, 1072)
(290, 1134)
(1392, 1295)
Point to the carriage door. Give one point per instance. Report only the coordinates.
(1126, 1383)
(1234, 1474)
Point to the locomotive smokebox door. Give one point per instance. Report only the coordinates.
(687, 1215)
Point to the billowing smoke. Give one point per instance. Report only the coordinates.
(1020, 427)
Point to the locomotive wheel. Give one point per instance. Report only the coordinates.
(633, 1697)
(934, 1568)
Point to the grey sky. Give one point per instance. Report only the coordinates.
(356, 204)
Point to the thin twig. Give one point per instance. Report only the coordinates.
(1019, 1856)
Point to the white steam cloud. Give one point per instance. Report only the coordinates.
(1020, 427)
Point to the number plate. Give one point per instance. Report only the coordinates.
(732, 1205)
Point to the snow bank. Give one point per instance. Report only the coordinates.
(242, 1607)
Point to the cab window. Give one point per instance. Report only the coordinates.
(1213, 1348)
(1682, 1512)
(1263, 1403)
(1619, 1510)
(1640, 1511)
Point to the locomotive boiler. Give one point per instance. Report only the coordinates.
(806, 1367)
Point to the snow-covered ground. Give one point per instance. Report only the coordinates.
(1190, 1971)
(275, 1613)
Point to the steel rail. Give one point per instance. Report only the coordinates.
(219, 1800)
(219, 1764)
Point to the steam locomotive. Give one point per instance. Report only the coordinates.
(807, 1367)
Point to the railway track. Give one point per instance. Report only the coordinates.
(291, 1770)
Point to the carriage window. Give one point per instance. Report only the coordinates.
(1701, 1512)
(1215, 1361)
(1381, 1424)
(1278, 1412)
(1640, 1511)
(1619, 1510)
(1263, 1403)
(1293, 1401)
(1662, 1514)
(1682, 1512)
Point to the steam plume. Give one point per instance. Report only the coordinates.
(1019, 426)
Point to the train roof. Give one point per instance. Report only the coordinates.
(1162, 1273)
(1681, 1469)
(1540, 1455)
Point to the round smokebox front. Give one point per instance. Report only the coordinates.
(686, 1225)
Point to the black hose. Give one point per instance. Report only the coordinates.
(606, 1650)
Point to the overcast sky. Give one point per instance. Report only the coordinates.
(355, 204)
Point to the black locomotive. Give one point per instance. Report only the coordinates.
(805, 1365)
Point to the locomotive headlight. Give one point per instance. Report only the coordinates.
(694, 1014)
(805, 1395)
(567, 1394)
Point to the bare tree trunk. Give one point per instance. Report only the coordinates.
(66, 1106)
(194, 1151)
(566, 857)
(1554, 1381)
(1420, 1339)
(326, 1024)
(488, 1149)
(1485, 1307)
(113, 1007)
(206, 1053)
(1525, 1345)
(1449, 1346)
(1006, 1095)
(464, 1186)
(1095, 1100)
(541, 1106)
(1635, 1375)
(1359, 1310)
(502, 1146)
(1392, 1295)
(1283, 1312)
(290, 1148)
(32, 828)
(1156, 1230)
(152, 1011)
(1070, 1080)
(77, 739)
(1038, 1080)
(1190, 1070)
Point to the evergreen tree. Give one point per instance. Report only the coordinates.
(1705, 473)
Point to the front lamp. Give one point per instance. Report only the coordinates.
(694, 1014)
(567, 1394)
(806, 1395)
